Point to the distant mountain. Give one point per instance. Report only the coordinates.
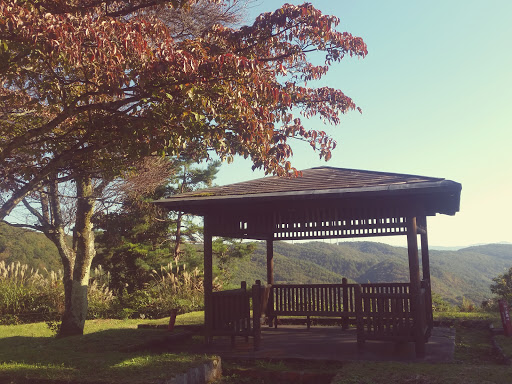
(466, 272)
(456, 248)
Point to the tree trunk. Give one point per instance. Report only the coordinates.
(75, 313)
(54, 229)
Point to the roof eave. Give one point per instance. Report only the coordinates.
(443, 186)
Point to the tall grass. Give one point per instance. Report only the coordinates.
(171, 287)
(28, 295)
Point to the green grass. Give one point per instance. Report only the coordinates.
(30, 352)
(492, 317)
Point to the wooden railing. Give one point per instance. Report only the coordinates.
(382, 311)
(231, 313)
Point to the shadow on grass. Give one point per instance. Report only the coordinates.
(96, 357)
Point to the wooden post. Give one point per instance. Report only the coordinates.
(270, 280)
(359, 316)
(256, 314)
(208, 281)
(270, 261)
(425, 262)
(344, 319)
(415, 286)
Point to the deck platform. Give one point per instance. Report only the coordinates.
(330, 344)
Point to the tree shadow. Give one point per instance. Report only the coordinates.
(106, 356)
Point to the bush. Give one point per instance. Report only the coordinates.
(172, 288)
(467, 306)
(439, 304)
(502, 286)
(490, 305)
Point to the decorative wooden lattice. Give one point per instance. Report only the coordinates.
(341, 228)
(311, 224)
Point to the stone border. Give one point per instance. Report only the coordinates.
(296, 377)
(199, 375)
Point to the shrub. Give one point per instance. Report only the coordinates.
(439, 304)
(467, 306)
(502, 286)
(490, 305)
(172, 288)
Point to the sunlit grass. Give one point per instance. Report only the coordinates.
(491, 317)
(31, 352)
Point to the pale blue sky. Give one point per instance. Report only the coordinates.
(435, 90)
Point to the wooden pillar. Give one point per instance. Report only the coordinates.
(270, 280)
(425, 261)
(425, 258)
(412, 250)
(270, 261)
(208, 280)
(415, 290)
(256, 313)
(344, 294)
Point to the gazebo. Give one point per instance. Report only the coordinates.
(325, 202)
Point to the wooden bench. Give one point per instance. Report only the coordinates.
(322, 300)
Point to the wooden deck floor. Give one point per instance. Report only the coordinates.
(330, 343)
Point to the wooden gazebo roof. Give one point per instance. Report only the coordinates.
(324, 202)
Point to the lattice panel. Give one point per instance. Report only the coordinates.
(341, 228)
(320, 223)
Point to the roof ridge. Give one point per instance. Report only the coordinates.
(373, 172)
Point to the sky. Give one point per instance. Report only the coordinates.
(436, 93)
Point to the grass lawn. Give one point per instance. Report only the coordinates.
(30, 353)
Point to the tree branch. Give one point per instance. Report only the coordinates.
(34, 212)
(27, 226)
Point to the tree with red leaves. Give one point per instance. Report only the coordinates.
(91, 87)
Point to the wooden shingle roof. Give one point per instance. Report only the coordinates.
(316, 183)
(319, 179)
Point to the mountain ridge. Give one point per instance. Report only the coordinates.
(466, 272)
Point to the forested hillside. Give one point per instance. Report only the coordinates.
(28, 247)
(455, 274)
(466, 272)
